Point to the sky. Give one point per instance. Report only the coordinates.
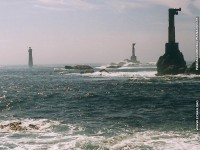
(92, 31)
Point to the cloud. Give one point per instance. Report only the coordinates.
(184, 4)
(196, 3)
(123, 5)
(128, 4)
(118, 5)
(65, 4)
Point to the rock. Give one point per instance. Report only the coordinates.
(1, 126)
(172, 62)
(115, 66)
(79, 69)
(15, 126)
(103, 70)
(69, 67)
(192, 68)
(32, 126)
(82, 67)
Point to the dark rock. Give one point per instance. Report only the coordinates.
(82, 67)
(14, 126)
(172, 62)
(115, 66)
(69, 67)
(103, 70)
(32, 126)
(192, 68)
(79, 69)
(1, 126)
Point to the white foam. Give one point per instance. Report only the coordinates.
(74, 137)
(138, 67)
(143, 74)
(102, 67)
(187, 76)
(2, 97)
(157, 140)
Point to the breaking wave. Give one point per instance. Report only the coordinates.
(142, 74)
(57, 135)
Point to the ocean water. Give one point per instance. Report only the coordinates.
(126, 109)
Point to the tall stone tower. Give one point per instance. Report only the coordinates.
(172, 62)
(30, 61)
(133, 57)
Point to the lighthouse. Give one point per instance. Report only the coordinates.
(30, 61)
(133, 57)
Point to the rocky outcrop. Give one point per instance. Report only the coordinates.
(17, 126)
(193, 69)
(69, 67)
(172, 62)
(80, 69)
(103, 70)
(113, 66)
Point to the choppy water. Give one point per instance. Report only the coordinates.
(128, 108)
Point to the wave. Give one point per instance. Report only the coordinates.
(129, 65)
(142, 74)
(57, 135)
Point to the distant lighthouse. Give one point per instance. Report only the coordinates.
(30, 61)
(133, 57)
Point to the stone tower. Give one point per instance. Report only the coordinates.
(172, 62)
(30, 61)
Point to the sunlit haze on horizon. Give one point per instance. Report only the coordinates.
(87, 31)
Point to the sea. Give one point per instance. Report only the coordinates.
(128, 108)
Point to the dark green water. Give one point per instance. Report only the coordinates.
(128, 108)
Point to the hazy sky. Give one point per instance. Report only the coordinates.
(92, 31)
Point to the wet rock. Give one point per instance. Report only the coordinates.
(103, 70)
(17, 126)
(32, 126)
(14, 126)
(69, 67)
(1, 126)
(79, 69)
(192, 69)
(82, 67)
(113, 67)
(172, 62)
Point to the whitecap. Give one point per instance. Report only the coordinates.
(142, 74)
(74, 137)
